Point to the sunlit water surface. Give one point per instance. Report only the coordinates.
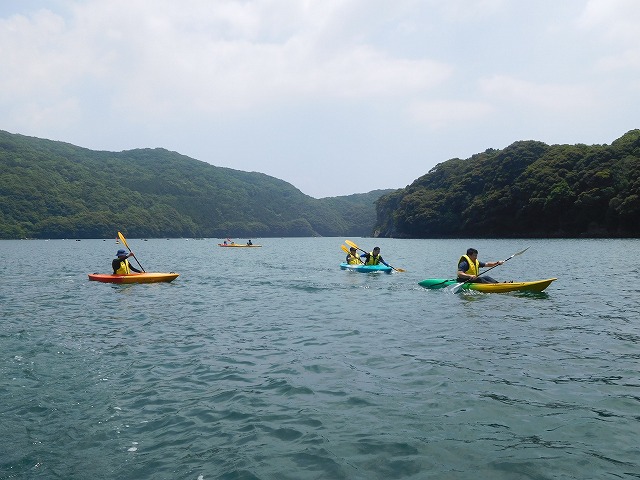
(272, 363)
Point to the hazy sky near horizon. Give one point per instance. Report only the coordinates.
(333, 96)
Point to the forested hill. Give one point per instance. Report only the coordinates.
(528, 189)
(52, 189)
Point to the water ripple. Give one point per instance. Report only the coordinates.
(251, 367)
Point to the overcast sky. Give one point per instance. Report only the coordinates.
(333, 96)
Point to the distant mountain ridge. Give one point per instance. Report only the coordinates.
(529, 189)
(51, 189)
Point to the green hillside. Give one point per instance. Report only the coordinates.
(56, 190)
(528, 189)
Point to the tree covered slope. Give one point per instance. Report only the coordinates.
(528, 189)
(56, 190)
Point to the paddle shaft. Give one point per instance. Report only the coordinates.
(444, 281)
(132, 254)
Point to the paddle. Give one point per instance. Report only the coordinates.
(444, 281)
(125, 244)
(456, 288)
(351, 244)
(346, 250)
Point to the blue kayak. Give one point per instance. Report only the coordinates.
(366, 268)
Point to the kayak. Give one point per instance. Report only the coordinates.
(366, 268)
(534, 286)
(238, 245)
(147, 277)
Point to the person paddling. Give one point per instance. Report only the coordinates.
(374, 258)
(469, 268)
(352, 257)
(121, 265)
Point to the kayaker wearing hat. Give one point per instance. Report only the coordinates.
(121, 265)
(352, 257)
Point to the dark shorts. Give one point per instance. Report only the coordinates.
(481, 279)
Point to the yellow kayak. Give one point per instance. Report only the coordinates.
(237, 245)
(534, 286)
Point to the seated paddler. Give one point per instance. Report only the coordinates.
(352, 257)
(469, 268)
(121, 265)
(374, 258)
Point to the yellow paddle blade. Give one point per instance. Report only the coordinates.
(122, 239)
(351, 244)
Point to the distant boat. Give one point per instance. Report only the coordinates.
(238, 245)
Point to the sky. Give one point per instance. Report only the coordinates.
(333, 96)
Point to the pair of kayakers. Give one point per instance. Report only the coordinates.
(231, 242)
(370, 258)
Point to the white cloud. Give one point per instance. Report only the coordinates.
(441, 113)
(555, 97)
(161, 58)
(615, 23)
(614, 19)
(464, 10)
(316, 83)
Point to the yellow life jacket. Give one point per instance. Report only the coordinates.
(353, 259)
(373, 259)
(124, 268)
(474, 267)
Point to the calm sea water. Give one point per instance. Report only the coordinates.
(272, 363)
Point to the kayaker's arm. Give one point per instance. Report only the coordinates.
(462, 275)
(131, 267)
